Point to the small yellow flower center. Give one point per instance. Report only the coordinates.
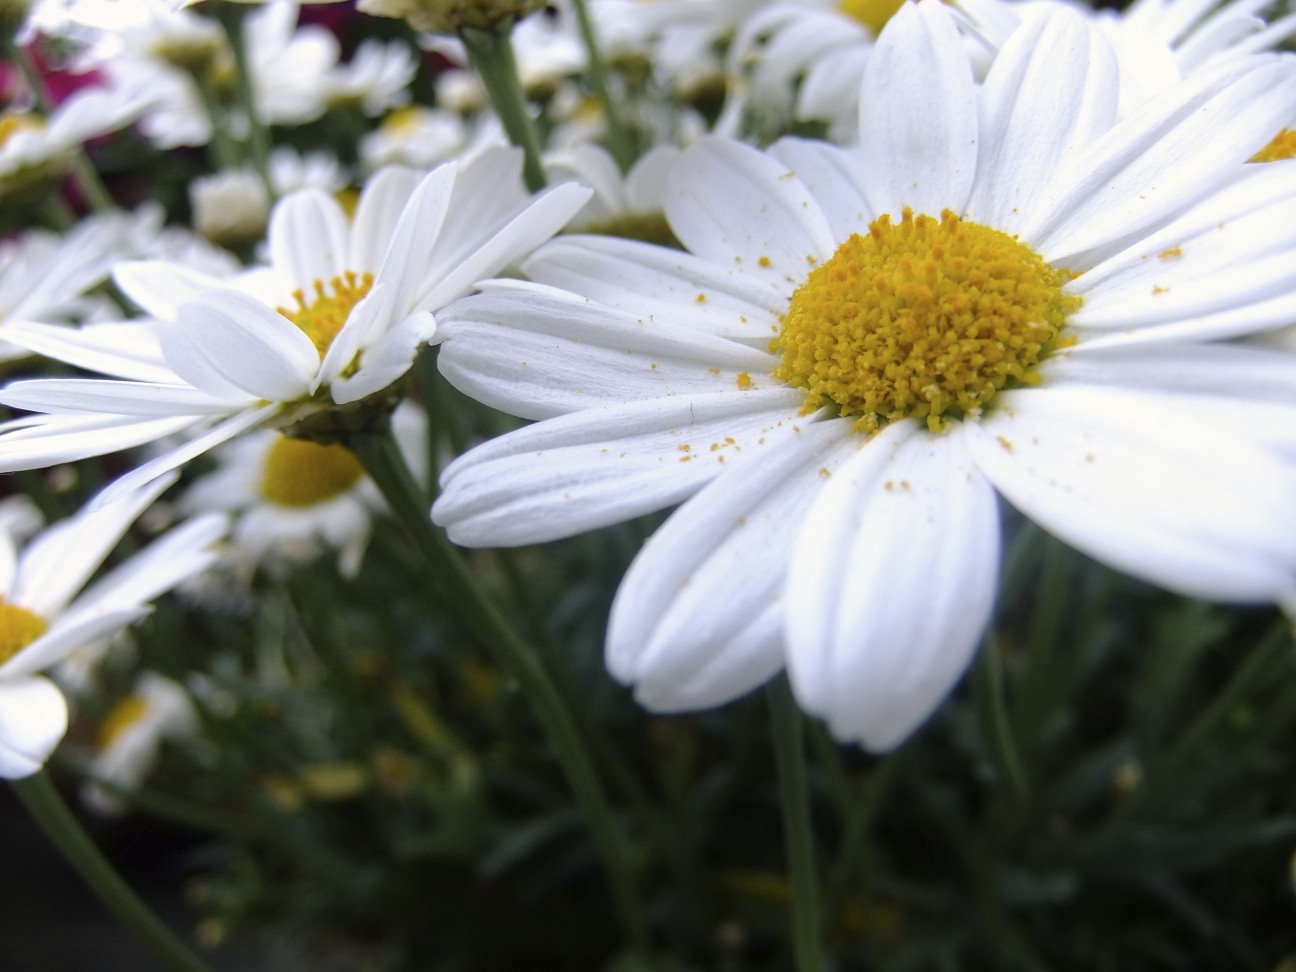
(18, 629)
(924, 318)
(12, 122)
(1281, 146)
(873, 14)
(323, 315)
(300, 473)
(121, 717)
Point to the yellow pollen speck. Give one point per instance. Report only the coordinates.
(1004, 442)
(924, 318)
(684, 447)
(18, 629)
(1171, 254)
(321, 317)
(713, 371)
(764, 261)
(300, 473)
(1281, 146)
(1158, 289)
(700, 298)
(825, 472)
(744, 380)
(653, 366)
(121, 717)
(873, 14)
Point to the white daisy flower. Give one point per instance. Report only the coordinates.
(293, 499)
(44, 277)
(375, 79)
(131, 737)
(622, 205)
(45, 615)
(1004, 290)
(36, 149)
(230, 208)
(337, 317)
(415, 136)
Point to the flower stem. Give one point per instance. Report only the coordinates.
(618, 139)
(987, 679)
(794, 794)
(491, 54)
(258, 142)
(382, 459)
(65, 831)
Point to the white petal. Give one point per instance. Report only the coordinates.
(378, 211)
(138, 398)
(832, 176)
(537, 352)
(645, 280)
(33, 719)
(1051, 91)
(386, 361)
(728, 201)
(229, 342)
(1147, 487)
(160, 287)
(67, 635)
(309, 238)
(413, 242)
(918, 115)
(49, 440)
(892, 583)
(601, 466)
(121, 350)
(698, 618)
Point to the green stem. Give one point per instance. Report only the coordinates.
(618, 139)
(65, 831)
(491, 54)
(231, 17)
(794, 795)
(225, 151)
(92, 187)
(988, 691)
(382, 459)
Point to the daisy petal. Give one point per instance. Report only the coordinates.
(386, 361)
(566, 353)
(377, 212)
(33, 719)
(1052, 90)
(67, 635)
(138, 398)
(727, 201)
(41, 441)
(1143, 484)
(309, 238)
(697, 620)
(891, 584)
(228, 343)
(604, 465)
(120, 350)
(919, 141)
(160, 287)
(831, 174)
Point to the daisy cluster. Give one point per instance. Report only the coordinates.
(839, 296)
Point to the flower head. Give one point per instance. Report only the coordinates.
(1005, 290)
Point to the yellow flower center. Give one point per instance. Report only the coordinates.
(323, 315)
(924, 318)
(300, 473)
(1281, 146)
(873, 14)
(18, 629)
(121, 717)
(12, 122)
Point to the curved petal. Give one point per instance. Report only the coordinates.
(387, 360)
(918, 141)
(726, 201)
(309, 238)
(1152, 487)
(228, 343)
(832, 176)
(160, 287)
(892, 583)
(33, 720)
(697, 620)
(589, 469)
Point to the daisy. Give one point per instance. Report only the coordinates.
(335, 319)
(1004, 290)
(622, 205)
(45, 615)
(293, 499)
(131, 737)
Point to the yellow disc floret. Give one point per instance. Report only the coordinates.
(323, 315)
(873, 14)
(18, 629)
(13, 122)
(1281, 146)
(121, 717)
(300, 473)
(924, 318)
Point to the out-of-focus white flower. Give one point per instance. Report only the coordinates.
(131, 737)
(630, 205)
(293, 499)
(336, 318)
(375, 80)
(546, 48)
(230, 208)
(291, 171)
(45, 615)
(415, 136)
